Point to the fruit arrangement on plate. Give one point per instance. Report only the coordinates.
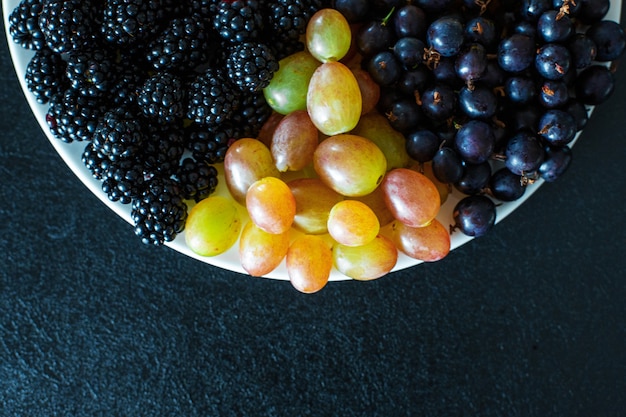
(314, 140)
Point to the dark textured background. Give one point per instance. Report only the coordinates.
(527, 321)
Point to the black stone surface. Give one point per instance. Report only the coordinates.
(527, 321)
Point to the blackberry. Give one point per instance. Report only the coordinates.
(74, 117)
(45, 75)
(211, 98)
(163, 148)
(162, 98)
(129, 79)
(159, 212)
(238, 20)
(184, 44)
(68, 24)
(209, 144)
(90, 71)
(24, 25)
(127, 22)
(119, 135)
(287, 19)
(251, 66)
(251, 115)
(282, 48)
(123, 180)
(95, 163)
(197, 179)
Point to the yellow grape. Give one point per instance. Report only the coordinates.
(429, 243)
(328, 35)
(352, 223)
(375, 127)
(333, 99)
(412, 198)
(294, 142)
(349, 164)
(261, 252)
(246, 161)
(271, 205)
(309, 261)
(314, 200)
(212, 226)
(367, 262)
(376, 201)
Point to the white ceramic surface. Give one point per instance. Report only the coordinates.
(71, 154)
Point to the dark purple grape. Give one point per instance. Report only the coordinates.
(523, 118)
(583, 51)
(526, 28)
(384, 68)
(556, 162)
(594, 85)
(410, 20)
(610, 39)
(445, 72)
(475, 179)
(553, 61)
(474, 141)
(421, 145)
(374, 36)
(553, 94)
(409, 51)
(494, 76)
(481, 30)
(557, 127)
(439, 102)
(516, 53)
(554, 27)
(579, 112)
(414, 80)
(405, 115)
(572, 6)
(520, 89)
(530, 10)
(445, 35)
(471, 63)
(474, 215)
(524, 153)
(447, 165)
(478, 103)
(506, 186)
(434, 6)
(592, 11)
(354, 11)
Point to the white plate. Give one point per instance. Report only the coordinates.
(71, 154)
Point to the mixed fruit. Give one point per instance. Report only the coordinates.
(340, 126)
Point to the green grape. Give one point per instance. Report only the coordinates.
(314, 200)
(375, 127)
(271, 205)
(246, 161)
(288, 87)
(309, 261)
(328, 35)
(370, 261)
(294, 142)
(352, 223)
(349, 164)
(333, 99)
(412, 198)
(212, 226)
(429, 243)
(261, 252)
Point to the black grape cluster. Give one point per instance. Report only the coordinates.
(490, 92)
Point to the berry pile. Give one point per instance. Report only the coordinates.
(156, 90)
(472, 82)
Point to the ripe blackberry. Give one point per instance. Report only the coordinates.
(129, 79)
(211, 98)
(251, 66)
(287, 19)
(96, 163)
(163, 148)
(209, 144)
(283, 47)
(159, 212)
(45, 75)
(123, 180)
(68, 24)
(162, 98)
(238, 20)
(119, 135)
(184, 44)
(74, 117)
(90, 71)
(251, 115)
(127, 22)
(24, 25)
(197, 179)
